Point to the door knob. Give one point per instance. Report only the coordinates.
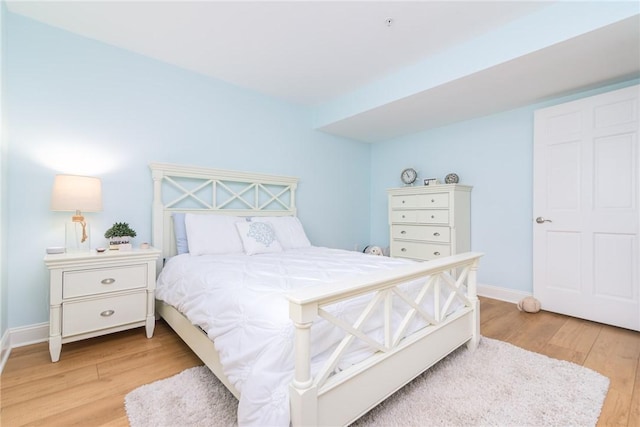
(540, 220)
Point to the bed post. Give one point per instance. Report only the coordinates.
(157, 216)
(303, 394)
(473, 297)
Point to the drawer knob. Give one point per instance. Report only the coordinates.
(403, 216)
(436, 253)
(436, 234)
(107, 281)
(433, 216)
(433, 201)
(403, 250)
(403, 201)
(403, 232)
(107, 313)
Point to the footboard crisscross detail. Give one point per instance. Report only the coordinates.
(385, 297)
(397, 301)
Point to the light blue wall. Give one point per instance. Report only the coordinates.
(3, 180)
(494, 154)
(78, 106)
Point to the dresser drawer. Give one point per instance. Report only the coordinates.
(422, 251)
(421, 232)
(428, 216)
(98, 281)
(101, 313)
(435, 200)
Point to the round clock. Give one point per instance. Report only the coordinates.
(409, 176)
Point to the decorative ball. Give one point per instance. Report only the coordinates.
(373, 250)
(529, 305)
(452, 178)
(376, 250)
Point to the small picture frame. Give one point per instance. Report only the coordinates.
(431, 181)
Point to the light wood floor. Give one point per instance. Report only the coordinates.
(88, 385)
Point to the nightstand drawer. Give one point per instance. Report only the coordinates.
(435, 200)
(98, 281)
(423, 251)
(101, 313)
(429, 216)
(421, 232)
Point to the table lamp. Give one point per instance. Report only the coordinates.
(77, 194)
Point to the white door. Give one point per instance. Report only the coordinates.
(585, 208)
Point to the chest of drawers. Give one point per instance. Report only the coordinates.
(93, 294)
(429, 222)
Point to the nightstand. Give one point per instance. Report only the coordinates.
(93, 294)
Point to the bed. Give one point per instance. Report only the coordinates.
(341, 362)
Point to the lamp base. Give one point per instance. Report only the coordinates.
(74, 234)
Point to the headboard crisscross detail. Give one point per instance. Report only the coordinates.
(200, 190)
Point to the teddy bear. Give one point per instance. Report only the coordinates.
(529, 305)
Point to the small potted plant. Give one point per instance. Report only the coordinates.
(120, 235)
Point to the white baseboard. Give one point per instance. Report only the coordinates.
(27, 335)
(19, 337)
(502, 294)
(5, 349)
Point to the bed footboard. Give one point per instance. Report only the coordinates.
(399, 357)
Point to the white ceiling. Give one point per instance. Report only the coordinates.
(311, 53)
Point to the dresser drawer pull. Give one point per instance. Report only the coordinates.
(403, 201)
(403, 216)
(403, 250)
(107, 313)
(433, 201)
(433, 216)
(403, 232)
(436, 234)
(436, 253)
(108, 281)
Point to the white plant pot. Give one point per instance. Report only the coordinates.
(120, 243)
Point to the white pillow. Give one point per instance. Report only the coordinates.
(212, 234)
(289, 231)
(258, 237)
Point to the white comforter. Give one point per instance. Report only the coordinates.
(240, 301)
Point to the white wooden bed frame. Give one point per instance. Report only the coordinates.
(322, 400)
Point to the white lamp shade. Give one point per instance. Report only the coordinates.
(76, 193)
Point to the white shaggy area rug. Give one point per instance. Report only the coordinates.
(497, 385)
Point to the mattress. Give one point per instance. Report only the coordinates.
(240, 302)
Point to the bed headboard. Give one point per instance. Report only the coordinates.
(193, 189)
